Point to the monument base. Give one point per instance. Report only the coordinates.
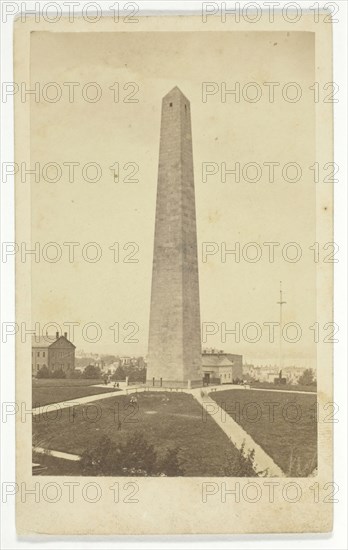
(167, 384)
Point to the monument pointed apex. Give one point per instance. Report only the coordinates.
(175, 92)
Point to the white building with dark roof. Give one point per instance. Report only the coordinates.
(219, 367)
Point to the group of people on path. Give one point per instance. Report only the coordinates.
(107, 380)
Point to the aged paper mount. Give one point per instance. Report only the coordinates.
(152, 156)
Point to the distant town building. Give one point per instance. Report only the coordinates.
(139, 362)
(270, 373)
(111, 369)
(293, 374)
(108, 364)
(219, 367)
(54, 353)
(249, 371)
(126, 360)
(80, 368)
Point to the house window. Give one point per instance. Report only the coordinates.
(38, 354)
(37, 367)
(43, 354)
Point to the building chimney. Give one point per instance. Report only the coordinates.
(66, 335)
(57, 335)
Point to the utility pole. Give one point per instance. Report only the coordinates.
(281, 303)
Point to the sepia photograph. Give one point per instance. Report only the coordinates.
(174, 274)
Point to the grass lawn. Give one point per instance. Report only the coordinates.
(44, 382)
(167, 420)
(285, 387)
(47, 391)
(289, 435)
(53, 465)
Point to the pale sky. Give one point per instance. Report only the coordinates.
(106, 212)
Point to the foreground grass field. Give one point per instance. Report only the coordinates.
(56, 466)
(47, 391)
(166, 420)
(288, 434)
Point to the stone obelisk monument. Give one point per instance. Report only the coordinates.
(174, 355)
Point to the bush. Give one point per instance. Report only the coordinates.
(307, 378)
(43, 373)
(137, 375)
(59, 373)
(134, 457)
(91, 371)
(171, 464)
(73, 374)
(119, 374)
(242, 465)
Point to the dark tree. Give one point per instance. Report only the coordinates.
(137, 457)
(134, 457)
(171, 465)
(119, 374)
(59, 373)
(91, 371)
(43, 373)
(242, 464)
(307, 378)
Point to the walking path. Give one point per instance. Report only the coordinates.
(280, 391)
(134, 389)
(44, 409)
(237, 434)
(225, 387)
(75, 402)
(56, 454)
